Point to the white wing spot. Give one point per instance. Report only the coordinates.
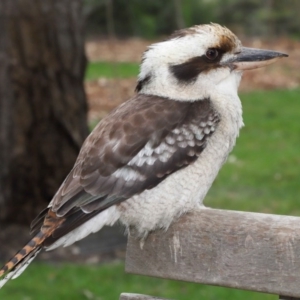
(182, 144)
(170, 140)
(161, 148)
(191, 143)
(127, 174)
(165, 156)
(199, 136)
(180, 138)
(206, 130)
(150, 160)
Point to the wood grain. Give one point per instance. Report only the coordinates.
(126, 296)
(241, 250)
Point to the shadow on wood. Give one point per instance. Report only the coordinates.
(251, 251)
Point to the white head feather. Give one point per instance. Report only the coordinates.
(180, 48)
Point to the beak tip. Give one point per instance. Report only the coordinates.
(281, 54)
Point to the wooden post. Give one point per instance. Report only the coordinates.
(251, 251)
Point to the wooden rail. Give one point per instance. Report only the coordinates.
(242, 250)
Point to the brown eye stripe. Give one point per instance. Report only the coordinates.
(188, 71)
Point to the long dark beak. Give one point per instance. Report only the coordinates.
(251, 58)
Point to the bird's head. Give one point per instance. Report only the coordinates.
(196, 62)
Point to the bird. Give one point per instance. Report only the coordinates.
(154, 157)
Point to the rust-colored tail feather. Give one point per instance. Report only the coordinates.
(16, 265)
(32, 245)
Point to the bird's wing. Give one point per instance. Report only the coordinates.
(133, 149)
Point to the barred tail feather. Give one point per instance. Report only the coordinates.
(16, 265)
(20, 267)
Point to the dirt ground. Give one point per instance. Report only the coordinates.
(104, 94)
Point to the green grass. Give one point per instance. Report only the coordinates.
(109, 70)
(107, 282)
(262, 175)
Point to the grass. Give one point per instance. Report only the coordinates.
(262, 175)
(107, 282)
(107, 69)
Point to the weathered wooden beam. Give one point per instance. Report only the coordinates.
(126, 296)
(241, 250)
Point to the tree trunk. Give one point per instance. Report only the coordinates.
(42, 101)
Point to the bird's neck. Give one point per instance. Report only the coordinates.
(228, 104)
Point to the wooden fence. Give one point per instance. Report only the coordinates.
(242, 250)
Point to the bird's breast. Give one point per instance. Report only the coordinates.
(181, 191)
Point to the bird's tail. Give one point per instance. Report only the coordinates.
(17, 264)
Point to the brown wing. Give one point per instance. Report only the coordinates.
(132, 149)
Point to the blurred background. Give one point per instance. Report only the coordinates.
(64, 64)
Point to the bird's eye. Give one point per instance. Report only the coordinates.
(212, 54)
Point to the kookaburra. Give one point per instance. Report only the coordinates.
(154, 157)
